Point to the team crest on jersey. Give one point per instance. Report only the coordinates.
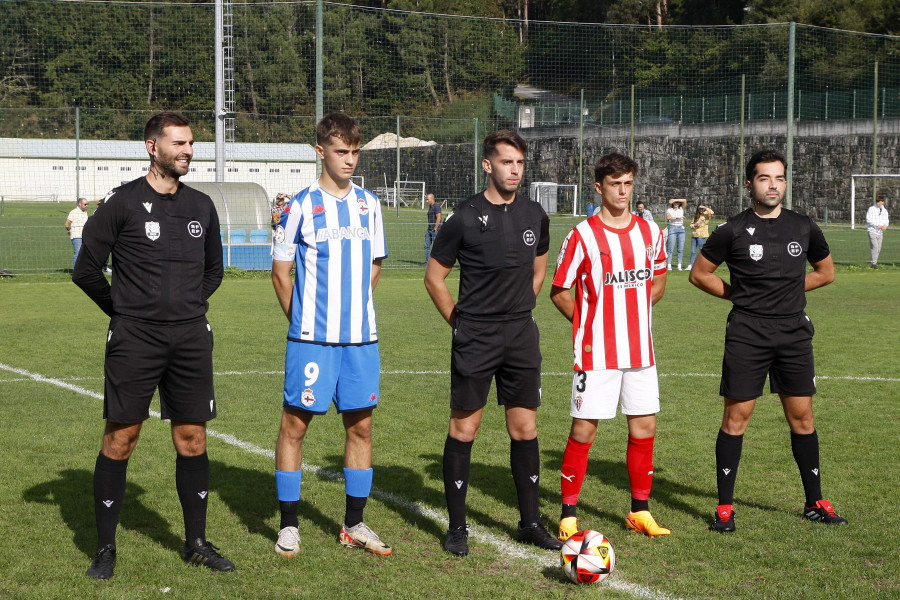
(529, 237)
(195, 229)
(362, 206)
(307, 398)
(756, 251)
(649, 252)
(578, 402)
(279, 235)
(152, 230)
(794, 249)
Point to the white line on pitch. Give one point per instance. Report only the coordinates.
(506, 547)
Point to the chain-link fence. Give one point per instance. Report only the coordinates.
(689, 103)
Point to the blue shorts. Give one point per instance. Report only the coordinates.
(316, 374)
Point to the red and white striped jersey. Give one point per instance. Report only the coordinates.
(612, 271)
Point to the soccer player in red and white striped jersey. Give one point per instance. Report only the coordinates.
(617, 264)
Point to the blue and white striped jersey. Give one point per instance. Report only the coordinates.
(334, 242)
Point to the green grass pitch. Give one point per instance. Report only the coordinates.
(51, 358)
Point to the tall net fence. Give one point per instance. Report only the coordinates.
(78, 80)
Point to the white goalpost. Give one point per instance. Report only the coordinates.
(853, 178)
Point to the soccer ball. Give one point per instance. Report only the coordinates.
(587, 557)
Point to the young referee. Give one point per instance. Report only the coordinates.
(501, 242)
(164, 238)
(766, 248)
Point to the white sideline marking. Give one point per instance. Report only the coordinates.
(508, 548)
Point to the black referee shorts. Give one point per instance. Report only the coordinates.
(756, 347)
(508, 351)
(177, 359)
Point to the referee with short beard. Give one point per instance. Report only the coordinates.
(166, 245)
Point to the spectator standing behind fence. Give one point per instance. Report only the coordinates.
(75, 224)
(675, 217)
(434, 223)
(700, 230)
(876, 223)
(278, 208)
(640, 210)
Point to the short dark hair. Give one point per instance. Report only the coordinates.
(640, 203)
(154, 127)
(340, 126)
(502, 136)
(614, 164)
(763, 156)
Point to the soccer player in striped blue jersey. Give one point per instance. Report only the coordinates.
(333, 234)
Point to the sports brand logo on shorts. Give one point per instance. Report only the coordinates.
(529, 237)
(362, 206)
(756, 251)
(195, 229)
(307, 398)
(152, 229)
(794, 249)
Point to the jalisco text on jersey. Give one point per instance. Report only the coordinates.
(628, 276)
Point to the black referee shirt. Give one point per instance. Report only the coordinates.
(767, 260)
(166, 248)
(496, 246)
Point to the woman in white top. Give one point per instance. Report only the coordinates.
(675, 217)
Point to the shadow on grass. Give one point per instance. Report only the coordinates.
(72, 492)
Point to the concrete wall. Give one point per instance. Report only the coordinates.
(698, 162)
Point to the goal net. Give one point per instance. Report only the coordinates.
(865, 188)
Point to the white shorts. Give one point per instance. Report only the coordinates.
(595, 394)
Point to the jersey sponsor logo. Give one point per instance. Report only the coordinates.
(362, 206)
(529, 237)
(148, 206)
(342, 233)
(152, 230)
(195, 229)
(794, 249)
(751, 230)
(279, 235)
(307, 398)
(631, 276)
(756, 251)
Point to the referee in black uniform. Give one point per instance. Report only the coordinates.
(766, 248)
(501, 242)
(164, 238)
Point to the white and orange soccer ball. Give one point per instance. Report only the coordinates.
(587, 557)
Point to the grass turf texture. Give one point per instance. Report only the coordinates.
(50, 438)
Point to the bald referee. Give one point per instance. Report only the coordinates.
(501, 242)
(766, 248)
(164, 238)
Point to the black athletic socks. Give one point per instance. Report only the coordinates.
(525, 462)
(192, 483)
(728, 457)
(288, 514)
(457, 460)
(806, 453)
(109, 491)
(353, 512)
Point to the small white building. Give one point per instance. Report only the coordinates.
(61, 170)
